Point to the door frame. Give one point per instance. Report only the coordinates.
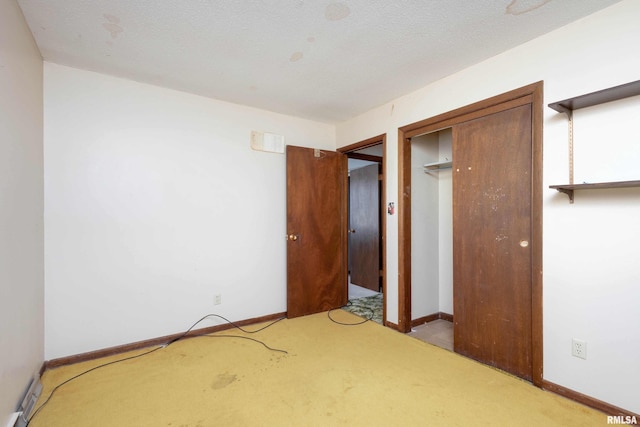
(376, 140)
(530, 94)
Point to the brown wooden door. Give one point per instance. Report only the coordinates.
(364, 223)
(316, 231)
(492, 183)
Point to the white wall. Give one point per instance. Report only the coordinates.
(21, 208)
(591, 278)
(155, 203)
(424, 227)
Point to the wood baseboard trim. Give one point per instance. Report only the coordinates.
(424, 319)
(392, 325)
(111, 351)
(431, 317)
(587, 400)
(445, 316)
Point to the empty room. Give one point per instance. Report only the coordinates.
(181, 221)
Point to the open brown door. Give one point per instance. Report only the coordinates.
(316, 231)
(492, 187)
(364, 223)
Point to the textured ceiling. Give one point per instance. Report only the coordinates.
(318, 59)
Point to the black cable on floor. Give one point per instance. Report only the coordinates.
(181, 336)
(246, 338)
(351, 304)
(184, 334)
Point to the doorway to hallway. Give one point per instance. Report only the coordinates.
(366, 227)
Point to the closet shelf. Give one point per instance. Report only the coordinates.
(436, 166)
(600, 97)
(568, 189)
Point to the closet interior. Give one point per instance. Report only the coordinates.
(432, 236)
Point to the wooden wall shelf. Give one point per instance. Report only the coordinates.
(567, 106)
(599, 97)
(569, 188)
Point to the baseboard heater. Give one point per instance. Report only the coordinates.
(21, 417)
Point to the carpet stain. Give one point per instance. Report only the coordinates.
(223, 380)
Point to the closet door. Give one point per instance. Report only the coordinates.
(492, 179)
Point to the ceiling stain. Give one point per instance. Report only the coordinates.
(111, 18)
(112, 26)
(311, 39)
(296, 56)
(336, 11)
(519, 7)
(114, 29)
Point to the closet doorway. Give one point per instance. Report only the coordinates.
(366, 229)
(497, 229)
(431, 230)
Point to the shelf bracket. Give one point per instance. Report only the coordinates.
(568, 192)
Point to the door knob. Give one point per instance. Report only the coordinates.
(524, 243)
(292, 237)
(352, 230)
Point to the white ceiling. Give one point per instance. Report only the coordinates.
(323, 60)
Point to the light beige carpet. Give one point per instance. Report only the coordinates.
(365, 375)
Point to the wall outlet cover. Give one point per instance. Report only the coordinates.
(579, 348)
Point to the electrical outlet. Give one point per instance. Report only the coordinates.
(217, 300)
(579, 348)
